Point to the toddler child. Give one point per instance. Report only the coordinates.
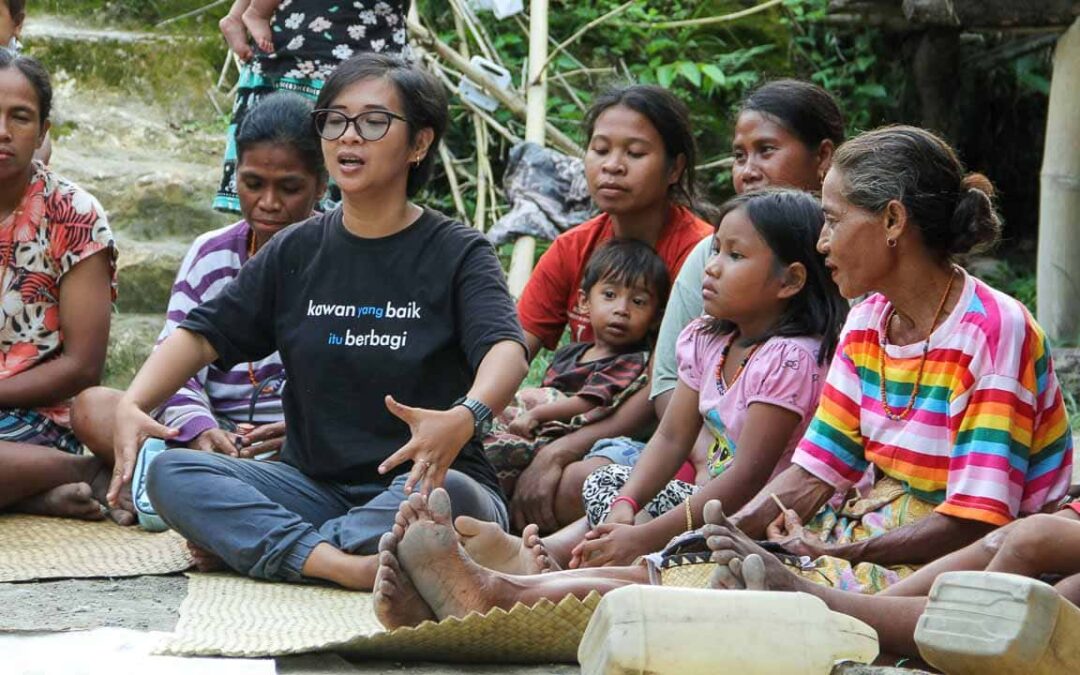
(751, 371)
(623, 288)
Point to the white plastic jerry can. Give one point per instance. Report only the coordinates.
(989, 622)
(659, 630)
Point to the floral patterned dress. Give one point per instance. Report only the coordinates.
(311, 38)
(56, 226)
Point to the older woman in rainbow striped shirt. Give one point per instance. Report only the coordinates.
(941, 404)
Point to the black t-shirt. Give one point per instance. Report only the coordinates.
(411, 315)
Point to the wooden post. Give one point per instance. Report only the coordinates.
(521, 262)
(1058, 282)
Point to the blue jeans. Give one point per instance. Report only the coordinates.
(264, 518)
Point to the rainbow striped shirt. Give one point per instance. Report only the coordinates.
(988, 438)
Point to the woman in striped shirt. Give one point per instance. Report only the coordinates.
(941, 400)
(237, 411)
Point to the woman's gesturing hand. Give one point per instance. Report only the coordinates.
(133, 427)
(437, 438)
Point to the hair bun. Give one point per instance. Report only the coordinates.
(975, 223)
(977, 181)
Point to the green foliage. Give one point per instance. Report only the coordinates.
(710, 67)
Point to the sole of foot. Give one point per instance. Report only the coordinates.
(235, 36)
(442, 572)
(489, 545)
(259, 27)
(397, 602)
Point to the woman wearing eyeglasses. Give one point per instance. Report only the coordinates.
(398, 336)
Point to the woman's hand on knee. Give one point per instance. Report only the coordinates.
(132, 428)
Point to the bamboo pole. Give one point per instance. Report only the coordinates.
(521, 262)
(1058, 280)
(710, 20)
(511, 101)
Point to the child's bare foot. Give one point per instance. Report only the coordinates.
(533, 550)
(259, 27)
(490, 546)
(71, 500)
(447, 579)
(397, 602)
(204, 560)
(235, 36)
(728, 543)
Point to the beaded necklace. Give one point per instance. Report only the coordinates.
(720, 384)
(889, 412)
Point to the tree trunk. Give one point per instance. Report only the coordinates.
(1058, 283)
(935, 67)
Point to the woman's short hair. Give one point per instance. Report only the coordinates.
(423, 99)
(282, 118)
(668, 115)
(953, 210)
(33, 71)
(804, 109)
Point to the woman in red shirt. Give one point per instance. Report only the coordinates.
(639, 165)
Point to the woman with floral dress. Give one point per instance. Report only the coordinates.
(57, 282)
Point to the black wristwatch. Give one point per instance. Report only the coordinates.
(482, 416)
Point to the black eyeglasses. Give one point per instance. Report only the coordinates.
(371, 125)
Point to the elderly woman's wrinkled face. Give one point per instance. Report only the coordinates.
(21, 129)
(853, 241)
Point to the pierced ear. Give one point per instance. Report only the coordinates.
(422, 143)
(896, 221)
(793, 281)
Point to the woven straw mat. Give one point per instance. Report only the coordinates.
(227, 615)
(37, 547)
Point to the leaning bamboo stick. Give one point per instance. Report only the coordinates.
(451, 178)
(511, 101)
(709, 20)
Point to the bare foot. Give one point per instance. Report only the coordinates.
(397, 602)
(447, 579)
(124, 514)
(71, 500)
(235, 36)
(736, 573)
(728, 544)
(205, 561)
(259, 27)
(495, 549)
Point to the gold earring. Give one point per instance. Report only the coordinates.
(890, 242)
(417, 161)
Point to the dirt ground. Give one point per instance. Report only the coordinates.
(151, 603)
